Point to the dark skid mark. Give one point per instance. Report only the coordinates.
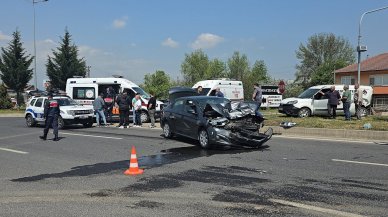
(102, 193)
(153, 184)
(243, 197)
(148, 204)
(361, 182)
(86, 170)
(236, 169)
(169, 156)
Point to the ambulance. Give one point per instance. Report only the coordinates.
(86, 90)
(232, 89)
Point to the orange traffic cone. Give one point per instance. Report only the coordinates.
(133, 165)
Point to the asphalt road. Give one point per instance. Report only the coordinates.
(82, 175)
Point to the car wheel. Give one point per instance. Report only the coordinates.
(88, 124)
(167, 130)
(304, 113)
(144, 117)
(61, 123)
(364, 112)
(203, 138)
(30, 122)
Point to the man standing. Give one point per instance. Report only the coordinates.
(109, 103)
(346, 100)
(257, 97)
(333, 96)
(98, 106)
(137, 107)
(151, 109)
(358, 100)
(51, 114)
(124, 104)
(219, 93)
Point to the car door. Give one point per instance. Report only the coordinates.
(320, 103)
(189, 123)
(174, 116)
(39, 109)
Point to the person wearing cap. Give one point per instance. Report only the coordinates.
(51, 114)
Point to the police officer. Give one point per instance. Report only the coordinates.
(51, 114)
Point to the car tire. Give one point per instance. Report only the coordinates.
(167, 133)
(144, 117)
(203, 138)
(88, 124)
(61, 123)
(364, 112)
(304, 113)
(30, 122)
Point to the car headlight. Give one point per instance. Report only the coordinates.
(292, 102)
(70, 112)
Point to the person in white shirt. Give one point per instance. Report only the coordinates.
(137, 107)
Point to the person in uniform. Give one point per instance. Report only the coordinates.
(51, 114)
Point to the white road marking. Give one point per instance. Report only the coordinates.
(360, 162)
(105, 137)
(19, 135)
(13, 150)
(324, 139)
(316, 208)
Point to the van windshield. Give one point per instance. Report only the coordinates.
(309, 93)
(142, 93)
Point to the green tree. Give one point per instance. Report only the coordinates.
(238, 66)
(194, 67)
(14, 66)
(324, 73)
(322, 54)
(216, 69)
(293, 90)
(65, 63)
(5, 101)
(158, 83)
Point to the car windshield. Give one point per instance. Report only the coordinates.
(213, 101)
(142, 93)
(309, 93)
(66, 102)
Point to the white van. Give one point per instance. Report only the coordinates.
(86, 90)
(311, 102)
(232, 90)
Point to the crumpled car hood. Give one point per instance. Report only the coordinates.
(217, 110)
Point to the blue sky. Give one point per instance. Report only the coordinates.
(133, 38)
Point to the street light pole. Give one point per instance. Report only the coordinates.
(363, 48)
(35, 75)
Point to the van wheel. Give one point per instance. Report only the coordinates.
(88, 124)
(61, 123)
(304, 113)
(30, 122)
(364, 112)
(144, 117)
(203, 138)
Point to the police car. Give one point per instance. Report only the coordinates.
(71, 112)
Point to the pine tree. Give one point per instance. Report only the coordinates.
(64, 63)
(14, 66)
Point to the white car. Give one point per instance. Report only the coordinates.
(70, 112)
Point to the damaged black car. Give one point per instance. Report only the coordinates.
(214, 120)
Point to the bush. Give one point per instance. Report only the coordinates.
(5, 103)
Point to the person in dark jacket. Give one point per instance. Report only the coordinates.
(333, 97)
(124, 103)
(151, 109)
(51, 114)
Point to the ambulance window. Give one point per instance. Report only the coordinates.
(130, 92)
(39, 102)
(84, 93)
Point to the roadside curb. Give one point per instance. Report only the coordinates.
(365, 135)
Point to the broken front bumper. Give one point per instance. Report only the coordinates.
(241, 138)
